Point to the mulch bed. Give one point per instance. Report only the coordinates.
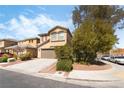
(77, 66)
(52, 69)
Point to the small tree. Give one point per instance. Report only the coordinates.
(63, 52)
(64, 55)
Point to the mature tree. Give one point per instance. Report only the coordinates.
(76, 17)
(94, 30)
(91, 38)
(112, 14)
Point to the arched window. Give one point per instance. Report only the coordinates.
(53, 36)
(61, 35)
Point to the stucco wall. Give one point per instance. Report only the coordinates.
(6, 43)
(43, 38)
(1, 44)
(28, 42)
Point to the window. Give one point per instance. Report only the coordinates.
(61, 36)
(54, 36)
(38, 41)
(30, 41)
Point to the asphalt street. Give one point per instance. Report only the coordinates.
(10, 79)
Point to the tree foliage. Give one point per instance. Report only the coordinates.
(111, 13)
(94, 31)
(63, 52)
(91, 38)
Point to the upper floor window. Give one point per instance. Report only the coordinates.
(38, 41)
(44, 38)
(30, 41)
(61, 35)
(53, 36)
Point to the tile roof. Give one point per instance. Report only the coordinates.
(8, 39)
(20, 46)
(33, 38)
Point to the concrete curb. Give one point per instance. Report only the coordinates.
(82, 82)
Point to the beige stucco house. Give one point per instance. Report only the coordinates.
(6, 43)
(42, 47)
(57, 36)
(24, 46)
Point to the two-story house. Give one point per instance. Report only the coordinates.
(24, 46)
(6, 43)
(57, 36)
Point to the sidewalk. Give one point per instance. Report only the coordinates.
(104, 75)
(115, 73)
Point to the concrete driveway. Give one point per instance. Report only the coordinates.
(32, 66)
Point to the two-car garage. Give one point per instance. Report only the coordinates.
(48, 53)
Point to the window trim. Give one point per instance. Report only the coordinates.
(61, 32)
(54, 33)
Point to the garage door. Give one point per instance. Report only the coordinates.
(48, 53)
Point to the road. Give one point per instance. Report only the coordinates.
(9, 79)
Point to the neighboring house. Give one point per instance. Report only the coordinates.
(24, 46)
(117, 52)
(57, 36)
(6, 43)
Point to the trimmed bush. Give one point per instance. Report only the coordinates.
(1, 59)
(4, 58)
(64, 65)
(11, 60)
(63, 52)
(26, 56)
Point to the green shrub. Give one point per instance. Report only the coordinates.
(11, 59)
(4, 58)
(63, 52)
(64, 65)
(26, 56)
(1, 59)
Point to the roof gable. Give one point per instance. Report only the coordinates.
(61, 27)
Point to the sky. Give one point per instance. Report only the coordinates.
(20, 22)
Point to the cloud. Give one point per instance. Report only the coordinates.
(24, 27)
(28, 12)
(49, 22)
(42, 8)
(2, 26)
